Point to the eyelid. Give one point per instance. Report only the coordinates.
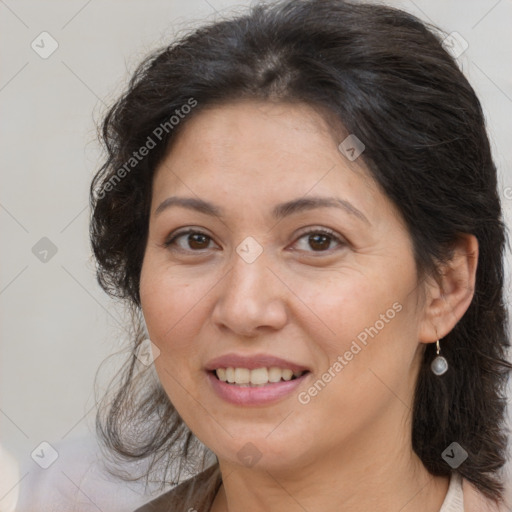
(316, 229)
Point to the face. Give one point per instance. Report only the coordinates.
(268, 248)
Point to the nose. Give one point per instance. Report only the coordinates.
(250, 299)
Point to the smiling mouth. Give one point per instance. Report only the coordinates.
(244, 377)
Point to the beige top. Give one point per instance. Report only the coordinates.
(454, 500)
(198, 493)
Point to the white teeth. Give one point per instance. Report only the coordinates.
(287, 374)
(242, 376)
(230, 375)
(274, 374)
(259, 376)
(256, 377)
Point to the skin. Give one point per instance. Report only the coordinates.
(349, 448)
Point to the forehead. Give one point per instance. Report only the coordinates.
(247, 158)
(257, 144)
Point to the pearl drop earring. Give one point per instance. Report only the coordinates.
(439, 365)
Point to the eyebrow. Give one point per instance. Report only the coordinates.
(279, 212)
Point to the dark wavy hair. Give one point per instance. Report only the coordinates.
(386, 77)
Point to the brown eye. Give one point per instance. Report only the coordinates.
(189, 241)
(198, 241)
(319, 240)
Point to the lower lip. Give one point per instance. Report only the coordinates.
(260, 395)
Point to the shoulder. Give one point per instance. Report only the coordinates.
(475, 501)
(196, 493)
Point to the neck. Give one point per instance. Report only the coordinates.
(370, 473)
(255, 491)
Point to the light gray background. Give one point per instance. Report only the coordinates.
(57, 325)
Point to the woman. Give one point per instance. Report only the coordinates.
(300, 206)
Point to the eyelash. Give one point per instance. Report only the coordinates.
(319, 231)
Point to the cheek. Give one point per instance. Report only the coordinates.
(364, 322)
(171, 306)
(347, 305)
(370, 358)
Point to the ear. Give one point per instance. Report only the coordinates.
(449, 294)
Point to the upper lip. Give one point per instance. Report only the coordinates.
(252, 362)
